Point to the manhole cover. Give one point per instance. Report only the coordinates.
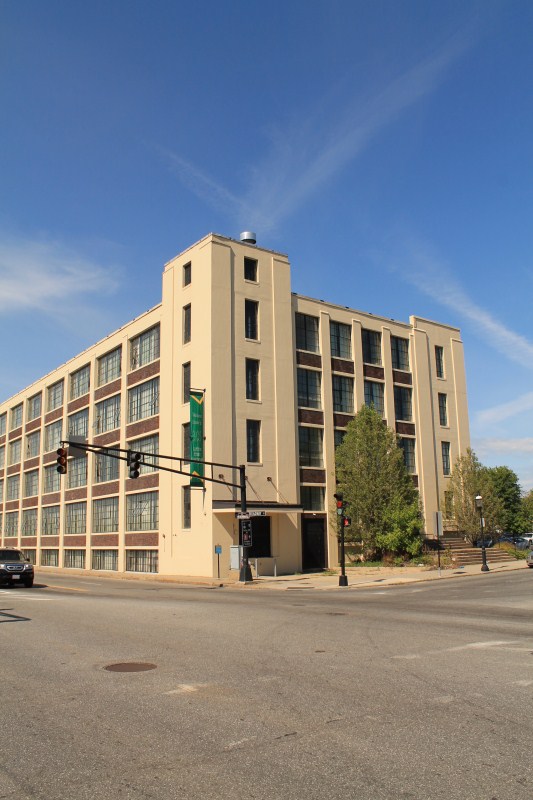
(130, 666)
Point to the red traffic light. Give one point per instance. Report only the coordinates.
(61, 460)
(339, 499)
(347, 522)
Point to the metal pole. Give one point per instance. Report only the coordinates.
(484, 565)
(245, 573)
(343, 580)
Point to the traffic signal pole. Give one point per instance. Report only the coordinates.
(245, 572)
(341, 505)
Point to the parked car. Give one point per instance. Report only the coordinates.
(15, 568)
(528, 536)
(488, 542)
(529, 559)
(521, 542)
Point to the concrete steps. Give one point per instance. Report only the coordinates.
(463, 554)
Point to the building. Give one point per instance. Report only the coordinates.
(280, 376)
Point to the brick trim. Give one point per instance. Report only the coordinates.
(76, 494)
(310, 416)
(136, 429)
(34, 425)
(308, 359)
(143, 482)
(15, 434)
(311, 475)
(101, 489)
(371, 371)
(406, 428)
(399, 376)
(54, 415)
(341, 420)
(79, 402)
(31, 463)
(104, 540)
(142, 539)
(143, 373)
(109, 388)
(342, 365)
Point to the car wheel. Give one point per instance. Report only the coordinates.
(28, 584)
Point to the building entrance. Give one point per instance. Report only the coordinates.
(313, 544)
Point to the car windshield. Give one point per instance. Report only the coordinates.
(11, 555)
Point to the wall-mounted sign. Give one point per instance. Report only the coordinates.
(197, 438)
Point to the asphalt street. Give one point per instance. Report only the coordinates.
(419, 691)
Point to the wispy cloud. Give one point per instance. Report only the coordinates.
(501, 445)
(504, 411)
(310, 151)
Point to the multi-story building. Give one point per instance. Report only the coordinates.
(280, 376)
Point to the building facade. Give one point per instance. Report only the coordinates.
(280, 376)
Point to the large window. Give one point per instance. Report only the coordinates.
(74, 559)
(13, 488)
(186, 439)
(439, 361)
(15, 449)
(443, 409)
(34, 406)
(253, 441)
(186, 515)
(106, 468)
(142, 561)
(186, 324)
(371, 347)
(409, 459)
(52, 436)
(33, 444)
(187, 274)
(2, 456)
(309, 388)
(341, 340)
(50, 521)
(55, 396)
(105, 515)
(77, 472)
(11, 527)
(144, 348)
(109, 366)
(49, 558)
(105, 559)
(76, 518)
(29, 522)
(31, 483)
(343, 394)
(52, 479)
(310, 446)
(3, 424)
(149, 446)
(252, 379)
(186, 381)
(142, 511)
(251, 319)
(307, 333)
(446, 463)
(143, 400)
(78, 424)
(250, 269)
(374, 396)
(107, 415)
(312, 498)
(400, 353)
(403, 403)
(80, 382)
(16, 417)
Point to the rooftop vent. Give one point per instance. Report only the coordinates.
(248, 237)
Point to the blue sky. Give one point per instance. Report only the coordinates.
(387, 147)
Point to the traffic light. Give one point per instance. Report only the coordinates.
(341, 505)
(62, 460)
(347, 522)
(134, 461)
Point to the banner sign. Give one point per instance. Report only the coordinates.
(197, 438)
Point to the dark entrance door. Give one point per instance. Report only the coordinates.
(313, 544)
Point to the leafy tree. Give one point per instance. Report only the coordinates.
(467, 479)
(505, 484)
(381, 499)
(524, 518)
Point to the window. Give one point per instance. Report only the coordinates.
(142, 511)
(109, 367)
(446, 467)
(141, 561)
(50, 521)
(186, 324)
(80, 382)
(371, 347)
(443, 409)
(439, 361)
(106, 468)
(342, 394)
(187, 274)
(52, 436)
(186, 520)
(312, 498)
(55, 396)
(74, 559)
(31, 483)
(403, 403)
(252, 379)
(144, 348)
(105, 559)
(309, 388)
(149, 446)
(11, 527)
(15, 449)
(76, 518)
(77, 472)
(307, 333)
(33, 444)
(49, 558)
(13, 488)
(107, 415)
(105, 515)
(251, 317)
(250, 269)
(29, 522)
(341, 340)
(408, 447)
(52, 479)
(253, 441)
(338, 436)
(186, 378)
(78, 424)
(310, 446)
(186, 439)
(30, 554)
(34, 406)
(400, 353)
(143, 400)
(2, 457)
(16, 417)
(3, 424)
(374, 396)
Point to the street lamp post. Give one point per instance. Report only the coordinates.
(479, 505)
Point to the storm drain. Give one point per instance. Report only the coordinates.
(130, 666)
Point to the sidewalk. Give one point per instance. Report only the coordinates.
(368, 577)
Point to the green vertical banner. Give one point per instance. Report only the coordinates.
(197, 438)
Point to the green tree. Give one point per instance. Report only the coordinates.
(505, 484)
(467, 479)
(382, 501)
(524, 518)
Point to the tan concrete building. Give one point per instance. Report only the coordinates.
(280, 377)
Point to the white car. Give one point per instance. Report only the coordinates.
(528, 536)
(529, 559)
